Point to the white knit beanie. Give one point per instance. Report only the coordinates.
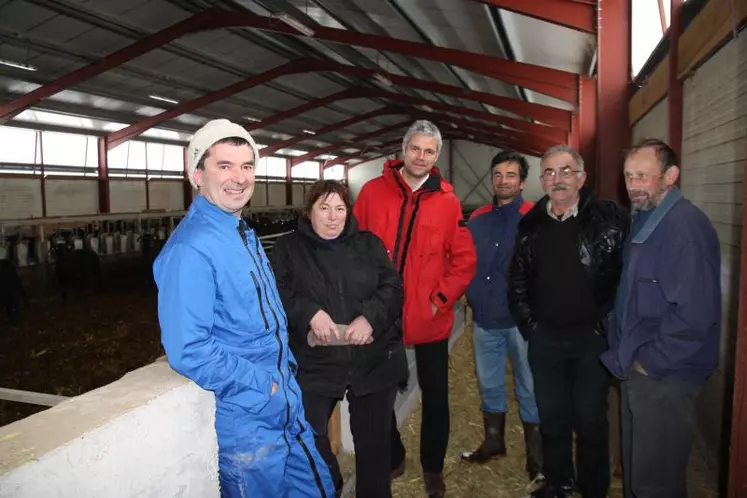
(205, 137)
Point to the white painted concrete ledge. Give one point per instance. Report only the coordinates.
(149, 434)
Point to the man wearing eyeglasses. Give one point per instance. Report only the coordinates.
(665, 334)
(563, 278)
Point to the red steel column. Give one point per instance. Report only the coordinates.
(40, 142)
(675, 84)
(288, 182)
(614, 75)
(186, 185)
(587, 126)
(573, 136)
(147, 182)
(104, 195)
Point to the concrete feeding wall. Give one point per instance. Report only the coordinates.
(150, 433)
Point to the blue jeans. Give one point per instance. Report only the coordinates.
(491, 346)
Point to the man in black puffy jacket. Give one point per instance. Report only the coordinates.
(564, 275)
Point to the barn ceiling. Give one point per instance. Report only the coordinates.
(329, 75)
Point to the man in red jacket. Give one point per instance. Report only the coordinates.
(414, 211)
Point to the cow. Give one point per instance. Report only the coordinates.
(11, 291)
(76, 268)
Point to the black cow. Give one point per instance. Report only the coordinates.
(150, 248)
(11, 290)
(76, 268)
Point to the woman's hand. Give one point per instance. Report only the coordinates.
(323, 327)
(359, 332)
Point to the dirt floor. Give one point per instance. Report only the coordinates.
(74, 347)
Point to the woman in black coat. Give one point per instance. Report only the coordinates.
(343, 298)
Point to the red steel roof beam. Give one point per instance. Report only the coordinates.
(490, 143)
(574, 15)
(552, 82)
(495, 118)
(548, 81)
(341, 160)
(527, 145)
(550, 133)
(364, 161)
(505, 143)
(327, 129)
(483, 128)
(314, 153)
(546, 114)
(192, 24)
(351, 93)
(125, 134)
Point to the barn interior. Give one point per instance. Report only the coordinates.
(98, 100)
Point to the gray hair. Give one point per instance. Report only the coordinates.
(560, 149)
(422, 127)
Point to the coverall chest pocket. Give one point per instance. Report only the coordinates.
(650, 302)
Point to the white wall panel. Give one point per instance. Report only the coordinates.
(20, 198)
(259, 197)
(298, 194)
(276, 197)
(68, 197)
(166, 195)
(471, 166)
(361, 174)
(127, 196)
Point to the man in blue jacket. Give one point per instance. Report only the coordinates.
(664, 341)
(495, 334)
(223, 326)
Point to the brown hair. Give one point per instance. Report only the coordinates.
(324, 188)
(664, 153)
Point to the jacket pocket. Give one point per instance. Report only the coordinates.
(650, 302)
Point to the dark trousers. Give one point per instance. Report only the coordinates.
(432, 361)
(369, 423)
(658, 422)
(571, 387)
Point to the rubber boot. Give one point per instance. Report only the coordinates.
(434, 485)
(533, 445)
(494, 444)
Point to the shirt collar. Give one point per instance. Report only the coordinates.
(213, 212)
(420, 184)
(567, 215)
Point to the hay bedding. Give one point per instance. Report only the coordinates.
(503, 478)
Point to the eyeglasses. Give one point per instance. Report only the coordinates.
(564, 172)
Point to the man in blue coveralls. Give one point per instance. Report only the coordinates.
(223, 326)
